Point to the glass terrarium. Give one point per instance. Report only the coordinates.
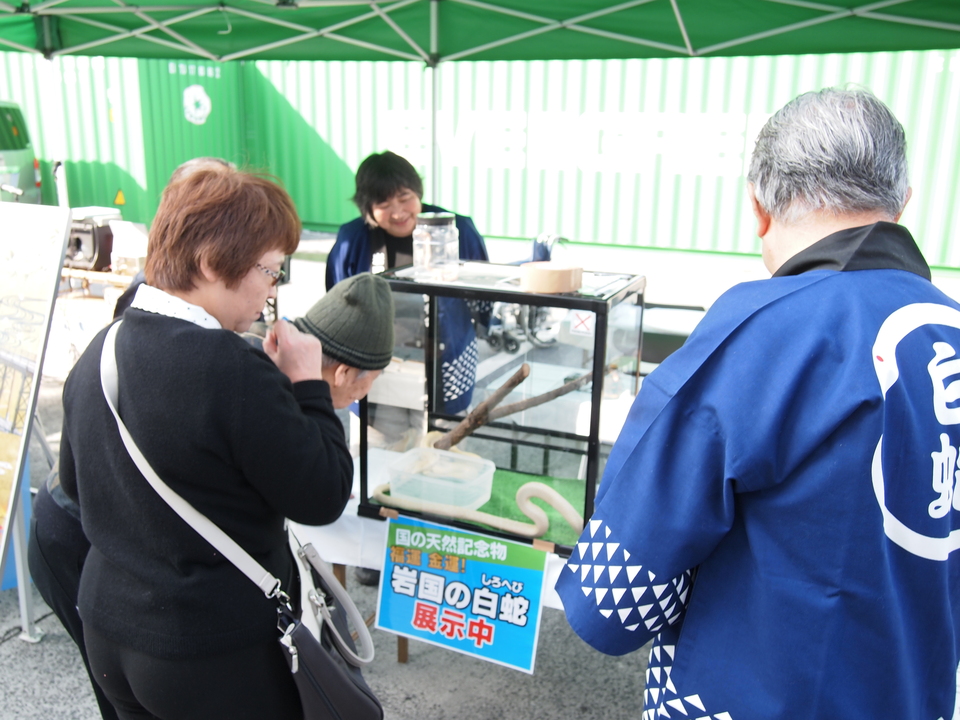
(518, 395)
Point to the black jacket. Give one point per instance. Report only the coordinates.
(226, 430)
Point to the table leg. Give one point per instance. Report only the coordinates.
(340, 572)
(403, 646)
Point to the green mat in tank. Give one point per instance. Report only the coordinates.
(503, 502)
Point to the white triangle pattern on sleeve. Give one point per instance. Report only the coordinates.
(459, 375)
(660, 696)
(607, 568)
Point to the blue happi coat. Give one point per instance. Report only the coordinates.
(781, 511)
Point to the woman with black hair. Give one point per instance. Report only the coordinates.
(389, 194)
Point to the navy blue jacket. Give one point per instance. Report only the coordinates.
(351, 254)
(780, 511)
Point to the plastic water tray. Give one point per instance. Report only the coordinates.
(442, 476)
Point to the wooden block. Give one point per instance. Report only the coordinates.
(550, 277)
(544, 545)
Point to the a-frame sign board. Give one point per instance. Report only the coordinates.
(33, 240)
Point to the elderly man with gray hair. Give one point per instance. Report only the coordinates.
(780, 514)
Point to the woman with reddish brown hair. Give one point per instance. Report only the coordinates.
(172, 629)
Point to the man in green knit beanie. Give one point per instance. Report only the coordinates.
(354, 324)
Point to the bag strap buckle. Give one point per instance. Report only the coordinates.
(280, 596)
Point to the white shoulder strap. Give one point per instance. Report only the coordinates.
(195, 519)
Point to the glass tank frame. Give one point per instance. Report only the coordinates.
(566, 339)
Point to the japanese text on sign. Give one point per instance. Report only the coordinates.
(455, 544)
(464, 591)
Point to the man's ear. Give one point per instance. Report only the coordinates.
(368, 219)
(909, 195)
(206, 271)
(762, 216)
(341, 376)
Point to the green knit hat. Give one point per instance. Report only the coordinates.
(354, 322)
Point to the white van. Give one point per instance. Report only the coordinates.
(19, 169)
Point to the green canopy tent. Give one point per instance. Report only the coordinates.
(435, 31)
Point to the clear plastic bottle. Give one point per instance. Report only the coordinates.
(436, 247)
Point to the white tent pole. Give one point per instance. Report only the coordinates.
(18, 46)
(435, 102)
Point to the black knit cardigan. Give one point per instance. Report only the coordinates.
(226, 430)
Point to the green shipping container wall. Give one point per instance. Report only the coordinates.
(190, 109)
(623, 152)
(288, 133)
(85, 111)
(121, 126)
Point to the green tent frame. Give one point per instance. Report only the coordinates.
(435, 31)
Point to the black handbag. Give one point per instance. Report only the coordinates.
(316, 640)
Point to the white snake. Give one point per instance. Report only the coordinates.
(525, 493)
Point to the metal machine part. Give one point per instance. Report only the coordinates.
(91, 239)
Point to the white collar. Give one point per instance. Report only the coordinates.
(157, 301)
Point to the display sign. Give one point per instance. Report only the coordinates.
(467, 592)
(32, 246)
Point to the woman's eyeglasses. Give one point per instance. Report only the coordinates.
(277, 275)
